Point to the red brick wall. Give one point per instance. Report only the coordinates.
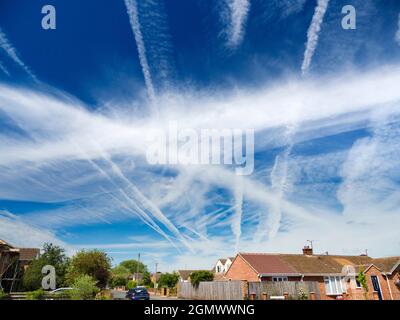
(240, 270)
(373, 271)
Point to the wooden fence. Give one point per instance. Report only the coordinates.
(293, 288)
(213, 290)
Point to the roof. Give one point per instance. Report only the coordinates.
(222, 260)
(184, 274)
(264, 263)
(322, 264)
(300, 264)
(387, 265)
(28, 254)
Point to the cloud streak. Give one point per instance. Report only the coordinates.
(238, 11)
(132, 9)
(7, 46)
(397, 36)
(313, 34)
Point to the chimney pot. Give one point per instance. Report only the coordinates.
(307, 251)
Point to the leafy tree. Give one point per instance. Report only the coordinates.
(52, 255)
(134, 266)
(168, 280)
(146, 278)
(131, 284)
(84, 288)
(202, 275)
(93, 263)
(120, 276)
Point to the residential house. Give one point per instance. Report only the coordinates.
(223, 265)
(335, 274)
(13, 262)
(184, 275)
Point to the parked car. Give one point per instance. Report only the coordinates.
(138, 293)
(60, 293)
(61, 290)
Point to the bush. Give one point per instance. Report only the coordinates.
(52, 255)
(131, 284)
(168, 280)
(36, 295)
(203, 275)
(104, 295)
(3, 295)
(84, 288)
(94, 263)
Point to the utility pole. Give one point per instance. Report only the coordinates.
(137, 269)
(155, 280)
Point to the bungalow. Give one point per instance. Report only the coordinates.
(335, 274)
(184, 275)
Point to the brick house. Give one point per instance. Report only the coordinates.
(336, 275)
(13, 262)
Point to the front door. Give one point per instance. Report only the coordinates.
(376, 286)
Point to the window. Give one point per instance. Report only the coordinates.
(279, 279)
(334, 285)
(358, 284)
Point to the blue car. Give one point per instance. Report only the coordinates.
(138, 293)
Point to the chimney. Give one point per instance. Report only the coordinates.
(307, 251)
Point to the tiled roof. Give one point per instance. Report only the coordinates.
(386, 264)
(264, 263)
(184, 274)
(322, 264)
(301, 264)
(28, 254)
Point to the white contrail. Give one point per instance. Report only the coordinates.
(313, 34)
(237, 218)
(238, 13)
(3, 68)
(132, 10)
(6, 45)
(397, 37)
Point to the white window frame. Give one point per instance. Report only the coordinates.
(334, 285)
(279, 279)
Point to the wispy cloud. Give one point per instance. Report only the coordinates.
(3, 68)
(237, 14)
(70, 153)
(397, 37)
(19, 233)
(133, 13)
(7, 46)
(313, 34)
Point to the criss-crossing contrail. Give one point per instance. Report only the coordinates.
(313, 34)
(238, 13)
(3, 68)
(397, 37)
(132, 10)
(6, 45)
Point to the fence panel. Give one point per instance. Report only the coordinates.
(211, 290)
(293, 288)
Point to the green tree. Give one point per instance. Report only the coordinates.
(202, 275)
(52, 255)
(84, 288)
(134, 266)
(119, 276)
(93, 263)
(146, 278)
(168, 280)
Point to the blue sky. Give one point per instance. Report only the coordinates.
(76, 104)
